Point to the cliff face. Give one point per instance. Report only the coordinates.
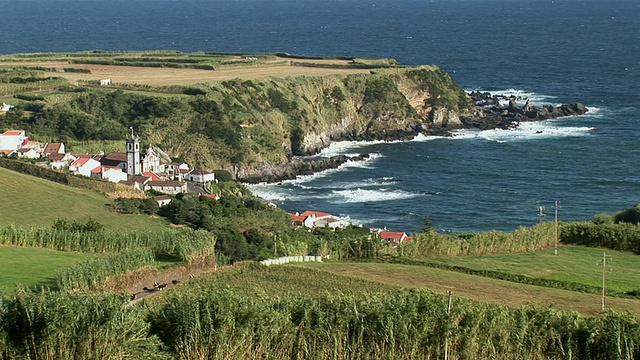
(242, 125)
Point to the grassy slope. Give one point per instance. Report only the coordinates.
(370, 278)
(33, 266)
(476, 287)
(27, 200)
(573, 263)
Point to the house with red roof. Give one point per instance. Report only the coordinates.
(12, 140)
(60, 161)
(83, 165)
(53, 148)
(393, 238)
(210, 196)
(312, 219)
(151, 175)
(28, 153)
(109, 173)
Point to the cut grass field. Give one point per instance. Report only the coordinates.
(572, 264)
(370, 278)
(28, 200)
(475, 287)
(29, 267)
(171, 76)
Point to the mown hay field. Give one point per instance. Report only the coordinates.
(476, 287)
(155, 76)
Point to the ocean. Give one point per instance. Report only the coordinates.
(559, 51)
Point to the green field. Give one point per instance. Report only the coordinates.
(33, 266)
(27, 200)
(572, 264)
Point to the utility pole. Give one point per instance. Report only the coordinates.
(446, 339)
(555, 251)
(541, 214)
(275, 246)
(604, 275)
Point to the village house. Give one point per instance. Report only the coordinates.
(83, 165)
(136, 181)
(393, 238)
(12, 140)
(200, 176)
(116, 159)
(28, 153)
(53, 148)
(112, 174)
(60, 161)
(312, 219)
(163, 200)
(166, 187)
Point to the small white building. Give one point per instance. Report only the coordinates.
(83, 166)
(200, 176)
(12, 140)
(28, 153)
(113, 174)
(105, 82)
(60, 161)
(166, 187)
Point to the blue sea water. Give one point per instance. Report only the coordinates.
(551, 51)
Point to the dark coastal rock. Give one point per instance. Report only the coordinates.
(491, 115)
(270, 173)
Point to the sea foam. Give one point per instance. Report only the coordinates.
(368, 195)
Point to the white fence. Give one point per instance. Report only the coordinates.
(290, 259)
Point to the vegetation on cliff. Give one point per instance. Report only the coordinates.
(239, 121)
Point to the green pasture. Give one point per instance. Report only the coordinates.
(28, 200)
(23, 266)
(575, 264)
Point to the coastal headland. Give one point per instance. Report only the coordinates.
(259, 116)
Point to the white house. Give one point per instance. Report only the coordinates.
(200, 176)
(83, 166)
(12, 140)
(109, 173)
(167, 187)
(162, 200)
(60, 161)
(28, 153)
(394, 238)
(105, 82)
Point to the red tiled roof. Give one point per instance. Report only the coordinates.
(151, 175)
(122, 157)
(395, 235)
(13, 132)
(317, 214)
(52, 148)
(80, 161)
(210, 196)
(297, 218)
(139, 178)
(6, 152)
(56, 157)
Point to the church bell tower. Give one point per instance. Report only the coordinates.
(133, 154)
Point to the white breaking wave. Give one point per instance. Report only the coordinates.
(534, 130)
(366, 195)
(345, 148)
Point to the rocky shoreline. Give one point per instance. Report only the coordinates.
(489, 113)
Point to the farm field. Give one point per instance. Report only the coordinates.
(172, 76)
(572, 264)
(28, 200)
(475, 287)
(22, 266)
